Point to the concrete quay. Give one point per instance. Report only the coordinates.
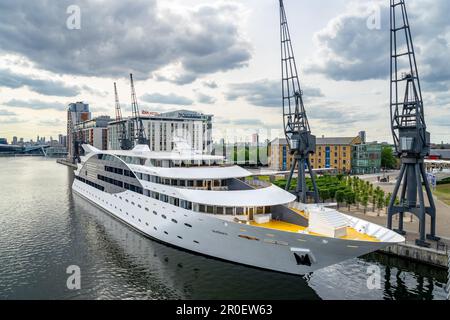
(66, 163)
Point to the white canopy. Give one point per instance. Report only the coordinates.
(194, 173)
(270, 196)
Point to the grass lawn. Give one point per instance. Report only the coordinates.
(443, 193)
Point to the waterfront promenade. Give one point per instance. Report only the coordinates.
(438, 250)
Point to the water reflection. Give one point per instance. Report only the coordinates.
(44, 228)
(183, 274)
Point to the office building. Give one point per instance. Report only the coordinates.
(161, 129)
(77, 112)
(94, 132)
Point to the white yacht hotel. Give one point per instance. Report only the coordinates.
(198, 203)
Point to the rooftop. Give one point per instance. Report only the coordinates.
(323, 141)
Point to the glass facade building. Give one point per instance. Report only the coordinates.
(366, 158)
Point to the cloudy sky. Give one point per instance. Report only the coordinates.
(217, 57)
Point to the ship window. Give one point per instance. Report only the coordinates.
(248, 238)
(188, 225)
(156, 229)
(195, 241)
(174, 221)
(210, 209)
(229, 211)
(166, 232)
(147, 209)
(139, 206)
(179, 237)
(219, 210)
(164, 217)
(155, 213)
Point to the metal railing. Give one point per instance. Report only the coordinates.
(447, 287)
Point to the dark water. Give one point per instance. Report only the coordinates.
(44, 229)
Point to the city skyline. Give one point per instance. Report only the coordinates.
(219, 58)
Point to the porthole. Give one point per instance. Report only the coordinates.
(174, 221)
(164, 217)
(156, 229)
(188, 225)
(195, 241)
(166, 232)
(180, 237)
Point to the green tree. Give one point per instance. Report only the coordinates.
(358, 199)
(388, 159)
(324, 194)
(340, 197)
(387, 201)
(365, 202)
(380, 203)
(349, 198)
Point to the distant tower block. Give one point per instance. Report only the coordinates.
(411, 139)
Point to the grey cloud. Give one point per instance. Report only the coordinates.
(210, 84)
(13, 120)
(51, 123)
(35, 105)
(179, 79)
(167, 99)
(332, 113)
(123, 37)
(45, 87)
(351, 51)
(203, 98)
(265, 93)
(7, 113)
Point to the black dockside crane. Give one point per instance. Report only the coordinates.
(411, 138)
(301, 142)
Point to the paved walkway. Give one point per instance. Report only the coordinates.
(412, 228)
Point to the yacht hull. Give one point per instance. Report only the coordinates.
(239, 243)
